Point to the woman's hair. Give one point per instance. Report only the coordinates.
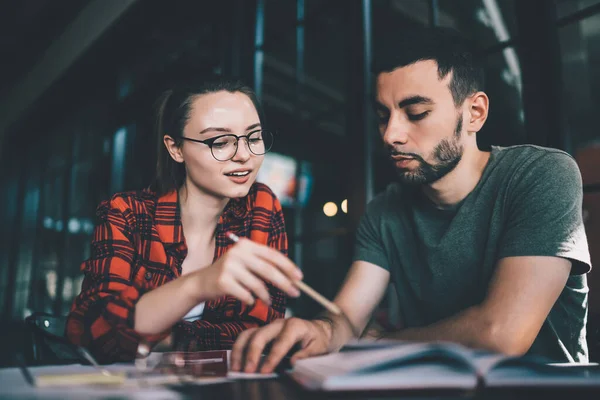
(174, 109)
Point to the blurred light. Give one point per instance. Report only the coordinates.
(48, 223)
(279, 173)
(345, 206)
(58, 226)
(46, 323)
(74, 225)
(330, 209)
(305, 183)
(88, 226)
(125, 87)
(51, 284)
(67, 289)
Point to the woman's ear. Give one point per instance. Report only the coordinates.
(173, 149)
(478, 111)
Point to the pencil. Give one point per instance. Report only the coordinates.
(319, 298)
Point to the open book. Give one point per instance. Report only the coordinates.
(400, 365)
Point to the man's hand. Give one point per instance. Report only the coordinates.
(363, 289)
(247, 351)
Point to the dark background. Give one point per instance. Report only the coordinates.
(79, 80)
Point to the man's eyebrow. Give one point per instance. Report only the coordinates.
(408, 101)
(379, 107)
(411, 100)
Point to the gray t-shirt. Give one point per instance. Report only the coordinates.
(527, 203)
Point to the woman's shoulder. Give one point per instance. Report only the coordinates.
(138, 201)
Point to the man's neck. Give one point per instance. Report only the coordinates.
(456, 185)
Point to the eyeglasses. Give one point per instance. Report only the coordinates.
(224, 147)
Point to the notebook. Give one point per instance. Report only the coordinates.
(168, 368)
(408, 366)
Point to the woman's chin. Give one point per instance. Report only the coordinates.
(240, 191)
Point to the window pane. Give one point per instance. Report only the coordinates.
(564, 8)
(580, 53)
(488, 21)
(63, 241)
(49, 246)
(90, 182)
(8, 216)
(504, 125)
(322, 94)
(325, 45)
(280, 30)
(417, 11)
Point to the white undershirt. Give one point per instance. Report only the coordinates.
(195, 313)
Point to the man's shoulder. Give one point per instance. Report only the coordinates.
(528, 154)
(530, 162)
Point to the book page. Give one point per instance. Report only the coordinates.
(403, 366)
(379, 358)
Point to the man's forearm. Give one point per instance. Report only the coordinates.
(470, 327)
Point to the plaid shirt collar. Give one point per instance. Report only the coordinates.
(170, 230)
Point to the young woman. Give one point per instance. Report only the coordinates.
(161, 259)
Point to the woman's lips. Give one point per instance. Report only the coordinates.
(239, 179)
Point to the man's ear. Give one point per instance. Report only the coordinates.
(478, 106)
(173, 149)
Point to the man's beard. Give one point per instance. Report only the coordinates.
(446, 155)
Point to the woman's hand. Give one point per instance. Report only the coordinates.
(241, 271)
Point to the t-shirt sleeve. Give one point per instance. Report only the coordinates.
(369, 245)
(544, 213)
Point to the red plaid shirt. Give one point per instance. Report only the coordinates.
(138, 245)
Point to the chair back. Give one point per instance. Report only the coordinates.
(48, 344)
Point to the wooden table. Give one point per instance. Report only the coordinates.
(14, 386)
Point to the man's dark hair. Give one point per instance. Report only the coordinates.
(452, 53)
